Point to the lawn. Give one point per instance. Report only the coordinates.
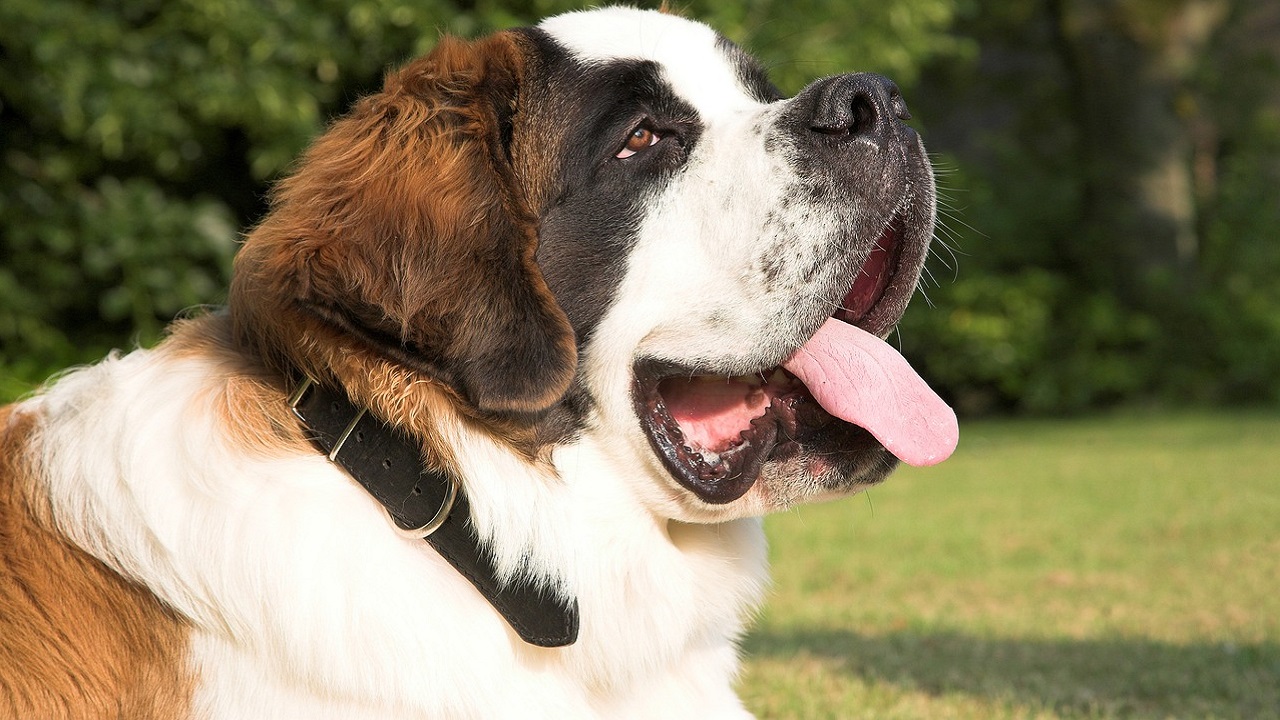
(1124, 567)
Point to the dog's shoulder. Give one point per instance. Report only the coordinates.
(76, 639)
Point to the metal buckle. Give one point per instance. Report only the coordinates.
(295, 397)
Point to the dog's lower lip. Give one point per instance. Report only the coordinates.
(716, 476)
(720, 465)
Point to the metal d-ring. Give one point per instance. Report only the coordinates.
(421, 533)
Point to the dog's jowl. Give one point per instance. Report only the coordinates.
(522, 351)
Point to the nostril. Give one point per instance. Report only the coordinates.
(864, 115)
(862, 105)
(857, 114)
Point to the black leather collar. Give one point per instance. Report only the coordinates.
(428, 504)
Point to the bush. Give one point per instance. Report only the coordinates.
(1027, 342)
(138, 139)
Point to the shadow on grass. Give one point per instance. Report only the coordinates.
(1124, 677)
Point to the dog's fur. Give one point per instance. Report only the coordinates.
(486, 256)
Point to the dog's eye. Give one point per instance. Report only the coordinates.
(640, 138)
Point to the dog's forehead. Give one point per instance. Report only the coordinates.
(694, 58)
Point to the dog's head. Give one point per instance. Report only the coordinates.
(613, 226)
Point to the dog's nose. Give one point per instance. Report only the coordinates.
(857, 104)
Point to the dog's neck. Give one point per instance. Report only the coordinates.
(430, 504)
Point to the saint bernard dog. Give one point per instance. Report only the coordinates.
(523, 350)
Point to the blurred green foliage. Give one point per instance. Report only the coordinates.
(138, 138)
(1045, 301)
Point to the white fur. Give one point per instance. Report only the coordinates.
(306, 605)
(686, 49)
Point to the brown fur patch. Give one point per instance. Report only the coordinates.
(398, 261)
(251, 401)
(76, 639)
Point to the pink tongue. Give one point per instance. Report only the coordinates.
(857, 377)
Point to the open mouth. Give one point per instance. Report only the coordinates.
(844, 389)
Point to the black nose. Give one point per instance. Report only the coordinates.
(858, 104)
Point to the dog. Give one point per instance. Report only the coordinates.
(520, 354)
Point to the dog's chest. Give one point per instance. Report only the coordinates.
(303, 602)
(390, 627)
(654, 637)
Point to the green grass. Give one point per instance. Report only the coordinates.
(1125, 567)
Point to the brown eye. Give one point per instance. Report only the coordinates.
(640, 138)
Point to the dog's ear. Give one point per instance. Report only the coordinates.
(406, 227)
